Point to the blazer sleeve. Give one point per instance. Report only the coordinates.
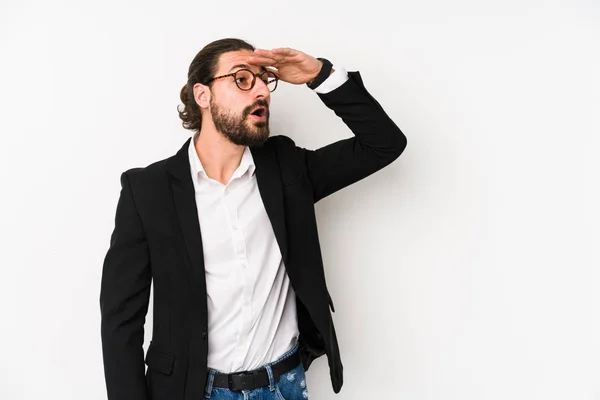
(124, 296)
(376, 143)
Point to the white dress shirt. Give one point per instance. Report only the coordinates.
(252, 316)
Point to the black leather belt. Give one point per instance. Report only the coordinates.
(252, 380)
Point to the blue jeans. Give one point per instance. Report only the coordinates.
(290, 386)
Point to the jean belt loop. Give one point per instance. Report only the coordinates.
(209, 384)
(271, 378)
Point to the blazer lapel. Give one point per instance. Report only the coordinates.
(271, 192)
(269, 186)
(185, 205)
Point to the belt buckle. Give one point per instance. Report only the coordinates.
(244, 380)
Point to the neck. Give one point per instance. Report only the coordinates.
(219, 157)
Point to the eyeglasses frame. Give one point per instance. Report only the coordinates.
(254, 76)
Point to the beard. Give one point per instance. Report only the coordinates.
(240, 129)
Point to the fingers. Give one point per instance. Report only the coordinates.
(280, 53)
(283, 51)
(261, 53)
(286, 51)
(275, 57)
(261, 60)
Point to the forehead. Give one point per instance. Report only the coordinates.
(236, 58)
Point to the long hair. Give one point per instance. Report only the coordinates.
(203, 68)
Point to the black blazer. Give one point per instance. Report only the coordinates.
(157, 238)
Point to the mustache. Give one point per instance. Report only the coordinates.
(257, 103)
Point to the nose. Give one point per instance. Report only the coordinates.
(260, 89)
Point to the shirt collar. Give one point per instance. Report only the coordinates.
(197, 170)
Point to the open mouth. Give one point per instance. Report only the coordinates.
(259, 113)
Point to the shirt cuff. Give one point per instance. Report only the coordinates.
(334, 81)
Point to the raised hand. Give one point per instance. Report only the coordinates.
(292, 66)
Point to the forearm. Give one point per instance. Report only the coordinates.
(366, 118)
(376, 143)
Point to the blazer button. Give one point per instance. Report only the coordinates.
(204, 335)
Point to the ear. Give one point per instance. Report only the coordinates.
(202, 95)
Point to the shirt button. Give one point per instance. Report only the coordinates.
(204, 335)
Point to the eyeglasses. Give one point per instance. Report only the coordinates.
(245, 79)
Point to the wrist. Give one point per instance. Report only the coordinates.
(324, 73)
(317, 73)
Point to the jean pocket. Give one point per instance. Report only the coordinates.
(278, 394)
(292, 385)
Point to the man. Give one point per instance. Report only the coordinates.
(226, 230)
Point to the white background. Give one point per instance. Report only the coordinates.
(468, 269)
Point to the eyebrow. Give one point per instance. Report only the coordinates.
(245, 66)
